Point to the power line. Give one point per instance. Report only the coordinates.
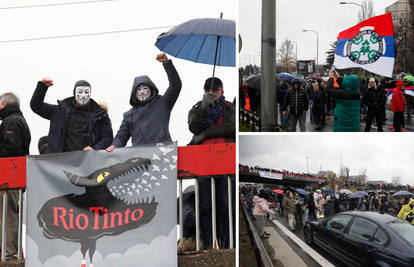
(81, 35)
(59, 4)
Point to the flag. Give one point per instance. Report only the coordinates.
(368, 45)
(110, 209)
(408, 91)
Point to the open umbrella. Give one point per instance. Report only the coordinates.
(362, 193)
(403, 194)
(285, 76)
(253, 81)
(409, 77)
(209, 41)
(345, 191)
(301, 191)
(355, 195)
(278, 191)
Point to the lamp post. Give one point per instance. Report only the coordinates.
(296, 62)
(317, 46)
(341, 167)
(307, 166)
(254, 61)
(352, 3)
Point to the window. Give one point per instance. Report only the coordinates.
(404, 229)
(363, 228)
(338, 222)
(380, 237)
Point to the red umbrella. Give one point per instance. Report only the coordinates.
(278, 191)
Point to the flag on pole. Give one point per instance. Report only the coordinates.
(368, 45)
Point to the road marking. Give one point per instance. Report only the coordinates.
(318, 258)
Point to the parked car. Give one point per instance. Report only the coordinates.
(364, 238)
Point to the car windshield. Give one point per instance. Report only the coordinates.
(404, 229)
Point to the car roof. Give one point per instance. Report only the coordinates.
(375, 216)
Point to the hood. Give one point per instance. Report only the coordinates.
(9, 109)
(400, 85)
(137, 81)
(350, 84)
(257, 199)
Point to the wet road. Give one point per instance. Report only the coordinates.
(281, 218)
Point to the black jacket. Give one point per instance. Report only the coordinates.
(14, 133)
(281, 93)
(373, 96)
(318, 100)
(197, 117)
(297, 100)
(100, 127)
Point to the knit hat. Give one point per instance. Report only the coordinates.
(81, 83)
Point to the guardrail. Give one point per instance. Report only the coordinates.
(194, 162)
(250, 118)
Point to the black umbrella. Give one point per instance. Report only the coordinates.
(403, 194)
(253, 81)
(354, 195)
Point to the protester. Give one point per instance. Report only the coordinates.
(409, 98)
(261, 207)
(310, 203)
(249, 192)
(384, 204)
(148, 120)
(297, 100)
(361, 204)
(281, 93)
(336, 204)
(398, 106)
(290, 208)
(76, 123)
(348, 102)
(14, 142)
(407, 211)
(344, 199)
(318, 106)
(374, 99)
(299, 208)
(374, 203)
(310, 91)
(329, 207)
(213, 121)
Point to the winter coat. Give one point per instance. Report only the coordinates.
(249, 195)
(197, 117)
(310, 200)
(148, 122)
(398, 101)
(310, 91)
(373, 96)
(100, 127)
(261, 206)
(14, 133)
(281, 93)
(384, 206)
(329, 208)
(336, 205)
(348, 102)
(289, 205)
(318, 100)
(297, 100)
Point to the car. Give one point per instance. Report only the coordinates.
(364, 238)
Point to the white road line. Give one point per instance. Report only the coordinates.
(318, 258)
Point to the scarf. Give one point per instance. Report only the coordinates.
(215, 113)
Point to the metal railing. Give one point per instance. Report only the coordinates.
(194, 162)
(250, 118)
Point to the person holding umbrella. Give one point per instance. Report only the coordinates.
(213, 121)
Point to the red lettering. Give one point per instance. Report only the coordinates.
(133, 214)
(61, 217)
(127, 215)
(96, 209)
(105, 215)
(86, 221)
(113, 215)
(71, 219)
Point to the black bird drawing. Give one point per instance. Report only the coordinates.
(87, 217)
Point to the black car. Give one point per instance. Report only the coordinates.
(364, 238)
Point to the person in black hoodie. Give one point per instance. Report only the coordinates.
(310, 91)
(374, 98)
(14, 142)
(298, 101)
(281, 93)
(310, 203)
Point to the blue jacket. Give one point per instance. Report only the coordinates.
(100, 127)
(148, 123)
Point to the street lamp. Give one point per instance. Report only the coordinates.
(317, 46)
(352, 3)
(296, 62)
(254, 60)
(307, 166)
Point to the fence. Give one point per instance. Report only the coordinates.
(248, 117)
(193, 162)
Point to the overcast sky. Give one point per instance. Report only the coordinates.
(383, 155)
(109, 62)
(327, 17)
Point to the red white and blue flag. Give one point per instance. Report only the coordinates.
(368, 45)
(408, 91)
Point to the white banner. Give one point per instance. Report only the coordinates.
(271, 175)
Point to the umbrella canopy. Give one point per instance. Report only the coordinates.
(278, 191)
(253, 81)
(355, 195)
(301, 191)
(362, 193)
(403, 194)
(409, 77)
(371, 192)
(285, 76)
(209, 41)
(345, 191)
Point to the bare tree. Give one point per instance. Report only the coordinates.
(362, 176)
(396, 180)
(285, 57)
(368, 10)
(404, 40)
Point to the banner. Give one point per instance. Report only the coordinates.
(108, 209)
(368, 45)
(271, 175)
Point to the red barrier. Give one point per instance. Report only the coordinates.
(193, 161)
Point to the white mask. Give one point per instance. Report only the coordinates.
(83, 95)
(143, 92)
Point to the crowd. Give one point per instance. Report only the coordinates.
(318, 204)
(349, 99)
(284, 172)
(80, 123)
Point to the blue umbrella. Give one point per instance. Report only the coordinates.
(209, 41)
(301, 191)
(362, 193)
(285, 76)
